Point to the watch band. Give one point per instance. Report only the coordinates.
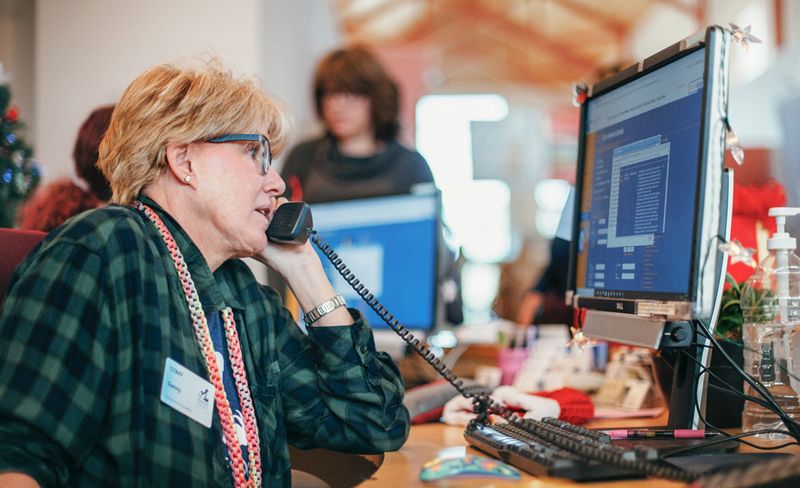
(323, 308)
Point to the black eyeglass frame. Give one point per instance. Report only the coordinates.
(265, 161)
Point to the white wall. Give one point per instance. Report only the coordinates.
(298, 34)
(87, 51)
(16, 55)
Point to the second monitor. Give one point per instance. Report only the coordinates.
(391, 244)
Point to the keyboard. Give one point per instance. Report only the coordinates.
(552, 447)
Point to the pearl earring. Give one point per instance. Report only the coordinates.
(187, 178)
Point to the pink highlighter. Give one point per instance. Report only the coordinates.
(660, 434)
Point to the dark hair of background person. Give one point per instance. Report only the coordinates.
(52, 204)
(357, 70)
(85, 153)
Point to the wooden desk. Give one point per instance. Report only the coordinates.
(429, 441)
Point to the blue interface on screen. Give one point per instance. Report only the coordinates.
(390, 244)
(642, 146)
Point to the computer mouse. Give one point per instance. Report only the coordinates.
(467, 466)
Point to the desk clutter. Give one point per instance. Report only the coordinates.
(579, 379)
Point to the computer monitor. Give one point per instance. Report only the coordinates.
(391, 244)
(652, 203)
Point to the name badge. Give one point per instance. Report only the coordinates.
(187, 393)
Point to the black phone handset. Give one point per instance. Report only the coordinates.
(293, 224)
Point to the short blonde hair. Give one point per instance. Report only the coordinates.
(169, 104)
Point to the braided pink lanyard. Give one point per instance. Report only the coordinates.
(237, 365)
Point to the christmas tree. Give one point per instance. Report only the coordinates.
(19, 174)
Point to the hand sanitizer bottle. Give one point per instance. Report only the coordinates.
(771, 309)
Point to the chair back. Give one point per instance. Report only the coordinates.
(15, 244)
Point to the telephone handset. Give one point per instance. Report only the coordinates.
(292, 224)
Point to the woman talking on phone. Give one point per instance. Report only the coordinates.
(137, 349)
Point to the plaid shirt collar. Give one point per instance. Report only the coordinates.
(213, 295)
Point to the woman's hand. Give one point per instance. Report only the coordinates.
(302, 270)
(459, 410)
(287, 258)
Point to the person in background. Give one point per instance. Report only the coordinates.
(137, 349)
(359, 155)
(545, 301)
(61, 199)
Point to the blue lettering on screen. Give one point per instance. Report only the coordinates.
(394, 257)
(643, 155)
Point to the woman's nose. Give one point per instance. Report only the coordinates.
(274, 183)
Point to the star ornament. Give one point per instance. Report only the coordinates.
(738, 253)
(580, 340)
(743, 36)
(732, 141)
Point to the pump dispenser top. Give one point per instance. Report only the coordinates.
(780, 239)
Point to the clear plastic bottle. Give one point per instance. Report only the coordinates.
(771, 308)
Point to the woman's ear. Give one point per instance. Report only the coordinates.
(178, 162)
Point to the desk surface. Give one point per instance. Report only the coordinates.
(429, 441)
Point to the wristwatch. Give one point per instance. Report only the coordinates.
(323, 309)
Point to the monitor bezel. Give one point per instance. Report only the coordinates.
(668, 305)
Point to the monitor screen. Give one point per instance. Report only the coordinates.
(640, 178)
(390, 243)
(649, 185)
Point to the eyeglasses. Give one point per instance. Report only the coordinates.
(264, 155)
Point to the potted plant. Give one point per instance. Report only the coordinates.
(724, 408)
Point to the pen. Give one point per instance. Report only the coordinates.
(660, 434)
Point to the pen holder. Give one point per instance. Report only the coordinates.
(510, 361)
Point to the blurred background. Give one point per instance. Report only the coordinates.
(486, 90)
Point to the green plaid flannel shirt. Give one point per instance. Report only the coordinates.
(86, 328)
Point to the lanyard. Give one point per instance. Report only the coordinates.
(237, 365)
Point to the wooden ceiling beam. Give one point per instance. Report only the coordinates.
(475, 12)
(376, 10)
(608, 23)
(497, 56)
(697, 9)
(422, 30)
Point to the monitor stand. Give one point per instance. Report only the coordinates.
(687, 389)
(678, 366)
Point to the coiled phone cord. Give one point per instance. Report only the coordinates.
(484, 404)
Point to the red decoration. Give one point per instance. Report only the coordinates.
(13, 114)
(751, 204)
(580, 92)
